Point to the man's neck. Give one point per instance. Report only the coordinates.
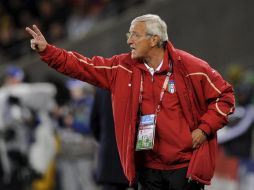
(155, 58)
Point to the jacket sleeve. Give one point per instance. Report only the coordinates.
(97, 71)
(219, 96)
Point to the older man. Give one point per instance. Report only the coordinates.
(167, 104)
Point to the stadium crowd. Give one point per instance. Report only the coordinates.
(58, 19)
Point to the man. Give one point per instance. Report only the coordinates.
(109, 172)
(167, 104)
(77, 144)
(13, 75)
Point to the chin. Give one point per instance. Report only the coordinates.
(133, 56)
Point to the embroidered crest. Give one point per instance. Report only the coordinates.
(171, 87)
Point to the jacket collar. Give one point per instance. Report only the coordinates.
(170, 52)
(164, 68)
(173, 52)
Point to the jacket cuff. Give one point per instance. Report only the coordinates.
(46, 50)
(204, 127)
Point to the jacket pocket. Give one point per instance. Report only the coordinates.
(202, 164)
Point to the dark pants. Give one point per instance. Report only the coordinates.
(117, 187)
(114, 187)
(152, 179)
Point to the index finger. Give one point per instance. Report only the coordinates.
(31, 32)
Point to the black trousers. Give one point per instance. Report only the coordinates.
(152, 179)
(118, 187)
(114, 187)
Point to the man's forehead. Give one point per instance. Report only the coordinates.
(137, 26)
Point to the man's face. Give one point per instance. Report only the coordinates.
(139, 41)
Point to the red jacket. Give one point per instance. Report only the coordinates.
(206, 99)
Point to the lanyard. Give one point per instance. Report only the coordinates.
(164, 87)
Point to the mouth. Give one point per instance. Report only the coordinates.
(132, 49)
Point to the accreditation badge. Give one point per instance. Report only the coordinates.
(146, 132)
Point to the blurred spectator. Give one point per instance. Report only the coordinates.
(235, 163)
(235, 74)
(28, 149)
(13, 75)
(44, 141)
(13, 144)
(109, 172)
(77, 145)
(236, 138)
(80, 105)
(80, 21)
(52, 18)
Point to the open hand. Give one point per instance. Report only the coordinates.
(38, 42)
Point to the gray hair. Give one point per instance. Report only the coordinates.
(155, 26)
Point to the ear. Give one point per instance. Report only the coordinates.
(155, 40)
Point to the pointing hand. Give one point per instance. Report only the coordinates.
(38, 42)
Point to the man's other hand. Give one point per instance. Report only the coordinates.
(198, 137)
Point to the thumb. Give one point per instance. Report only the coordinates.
(35, 45)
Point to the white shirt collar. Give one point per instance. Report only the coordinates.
(151, 70)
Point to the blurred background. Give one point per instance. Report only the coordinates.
(218, 31)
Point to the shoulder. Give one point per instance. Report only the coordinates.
(193, 63)
(188, 58)
(124, 58)
(198, 68)
(124, 61)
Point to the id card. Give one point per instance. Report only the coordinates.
(147, 119)
(146, 131)
(145, 139)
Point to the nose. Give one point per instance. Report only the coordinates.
(129, 41)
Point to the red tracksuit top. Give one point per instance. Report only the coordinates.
(171, 150)
(205, 99)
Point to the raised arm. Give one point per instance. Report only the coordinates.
(98, 71)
